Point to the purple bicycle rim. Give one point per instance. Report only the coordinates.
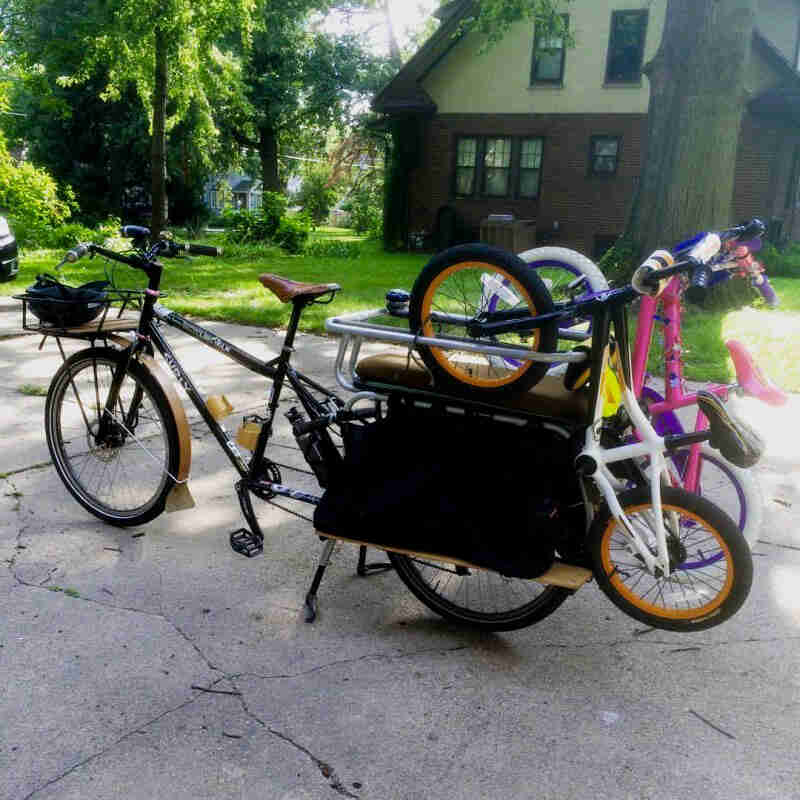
(544, 263)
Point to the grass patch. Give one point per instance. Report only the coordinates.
(227, 288)
(33, 390)
(771, 336)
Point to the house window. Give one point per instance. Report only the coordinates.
(497, 166)
(626, 46)
(497, 170)
(466, 164)
(530, 167)
(603, 155)
(548, 57)
(212, 199)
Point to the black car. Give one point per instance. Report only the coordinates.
(9, 258)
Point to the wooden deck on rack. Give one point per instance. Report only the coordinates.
(566, 576)
(108, 326)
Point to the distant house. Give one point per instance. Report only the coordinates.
(233, 191)
(555, 135)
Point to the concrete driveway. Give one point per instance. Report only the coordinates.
(156, 663)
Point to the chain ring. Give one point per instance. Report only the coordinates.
(267, 471)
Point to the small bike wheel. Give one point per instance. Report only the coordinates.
(711, 569)
(458, 286)
(731, 488)
(477, 597)
(125, 477)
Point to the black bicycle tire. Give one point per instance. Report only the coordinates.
(55, 396)
(520, 272)
(740, 560)
(527, 614)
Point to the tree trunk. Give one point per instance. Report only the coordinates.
(158, 153)
(268, 152)
(697, 100)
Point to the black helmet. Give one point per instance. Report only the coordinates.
(55, 303)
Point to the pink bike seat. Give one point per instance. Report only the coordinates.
(751, 378)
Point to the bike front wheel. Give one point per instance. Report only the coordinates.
(477, 597)
(711, 569)
(472, 281)
(123, 472)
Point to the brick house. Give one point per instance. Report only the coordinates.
(556, 136)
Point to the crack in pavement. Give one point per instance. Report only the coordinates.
(136, 729)
(369, 656)
(326, 770)
(156, 614)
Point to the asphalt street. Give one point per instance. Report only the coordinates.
(154, 662)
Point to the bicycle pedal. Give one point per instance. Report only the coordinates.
(247, 543)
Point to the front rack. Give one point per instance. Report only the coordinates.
(380, 325)
(106, 322)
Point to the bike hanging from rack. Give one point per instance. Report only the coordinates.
(697, 468)
(120, 443)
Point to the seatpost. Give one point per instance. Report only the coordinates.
(281, 369)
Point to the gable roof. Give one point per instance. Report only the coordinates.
(403, 92)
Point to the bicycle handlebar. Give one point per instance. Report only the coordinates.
(164, 247)
(698, 253)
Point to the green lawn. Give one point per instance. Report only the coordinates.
(773, 338)
(228, 289)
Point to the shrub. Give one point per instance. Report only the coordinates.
(365, 205)
(315, 196)
(273, 209)
(619, 261)
(334, 248)
(783, 263)
(31, 198)
(292, 234)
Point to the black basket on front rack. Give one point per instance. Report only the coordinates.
(50, 306)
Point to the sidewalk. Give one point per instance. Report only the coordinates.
(106, 635)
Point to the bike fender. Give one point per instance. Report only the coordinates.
(751, 378)
(179, 413)
(175, 404)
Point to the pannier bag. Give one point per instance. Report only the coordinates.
(55, 303)
(488, 493)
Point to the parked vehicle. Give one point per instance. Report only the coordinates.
(9, 256)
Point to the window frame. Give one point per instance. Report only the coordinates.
(644, 16)
(596, 137)
(559, 81)
(514, 169)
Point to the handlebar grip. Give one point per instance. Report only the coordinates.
(203, 250)
(77, 252)
(698, 284)
(754, 229)
(645, 280)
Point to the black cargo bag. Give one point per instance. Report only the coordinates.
(433, 482)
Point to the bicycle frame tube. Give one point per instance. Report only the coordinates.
(278, 369)
(651, 444)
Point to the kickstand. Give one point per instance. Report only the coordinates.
(363, 569)
(311, 607)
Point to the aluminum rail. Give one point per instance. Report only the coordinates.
(355, 327)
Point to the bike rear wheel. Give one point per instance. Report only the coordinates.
(711, 566)
(477, 597)
(124, 477)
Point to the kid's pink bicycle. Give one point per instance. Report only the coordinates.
(699, 469)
